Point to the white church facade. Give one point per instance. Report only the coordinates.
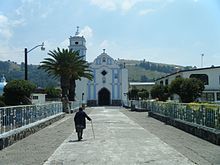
(110, 80)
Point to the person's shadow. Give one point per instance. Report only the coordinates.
(74, 141)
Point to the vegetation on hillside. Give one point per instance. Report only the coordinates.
(145, 71)
(138, 71)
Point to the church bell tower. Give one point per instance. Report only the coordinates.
(78, 43)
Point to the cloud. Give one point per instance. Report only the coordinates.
(127, 5)
(7, 25)
(64, 44)
(146, 11)
(5, 32)
(106, 44)
(87, 32)
(111, 5)
(105, 4)
(9, 52)
(31, 8)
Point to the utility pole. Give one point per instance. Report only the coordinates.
(25, 58)
(202, 60)
(25, 64)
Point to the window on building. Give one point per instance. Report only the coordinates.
(76, 43)
(178, 76)
(103, 80)
(203, 77)
(103, 72)
(35, 97)
(218, 96)
(166, 82)
(161, 82)
(103, 59)
(108, 61)
(209, 96)
(116, 76)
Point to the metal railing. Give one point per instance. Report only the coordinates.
(202, 114)
(17, 116)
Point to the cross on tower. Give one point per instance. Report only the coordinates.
(77, 31)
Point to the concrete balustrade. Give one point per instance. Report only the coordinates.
(202, 120)
(13, 117)
(18, 122)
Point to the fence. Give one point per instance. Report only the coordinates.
(137, 104)
(17, 116)
(203, 114)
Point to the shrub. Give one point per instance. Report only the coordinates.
(18, 92)
(2, 104)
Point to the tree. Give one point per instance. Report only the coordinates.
(18, 92)
(143, 94)
(160, 92)
(189, 89)
(176, 86)
(133, 94)
(52, 92)
(83, 72)
(66, 65)
(2, 101)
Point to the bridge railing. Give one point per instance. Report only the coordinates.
(202, 114)
(17, 116)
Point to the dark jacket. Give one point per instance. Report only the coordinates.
(80, 119)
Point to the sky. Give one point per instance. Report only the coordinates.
(163, 31)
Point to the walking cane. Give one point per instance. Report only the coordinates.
(93, 130)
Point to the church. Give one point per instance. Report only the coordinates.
(110, 80)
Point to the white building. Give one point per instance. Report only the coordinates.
(110, 83)
(38, 98)
(78, 43)
(210, 76)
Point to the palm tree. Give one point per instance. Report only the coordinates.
(83, 72)
(64, 64)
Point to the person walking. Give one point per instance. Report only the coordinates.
(80, 122)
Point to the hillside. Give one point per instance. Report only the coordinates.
(12, 71)
(145, 71)
(138, 71)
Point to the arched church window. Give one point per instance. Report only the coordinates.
(103, 59)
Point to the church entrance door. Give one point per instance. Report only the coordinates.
(104, 97)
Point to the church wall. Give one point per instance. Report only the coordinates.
(124, 84)
(113, 80)
(81, 87)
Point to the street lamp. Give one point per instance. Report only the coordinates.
(82, 96)
(25, 58)
(202, 60)
(83, 105)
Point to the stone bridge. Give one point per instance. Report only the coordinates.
(120, 136)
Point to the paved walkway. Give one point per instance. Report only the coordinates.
(118, 140)
(121, 136)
